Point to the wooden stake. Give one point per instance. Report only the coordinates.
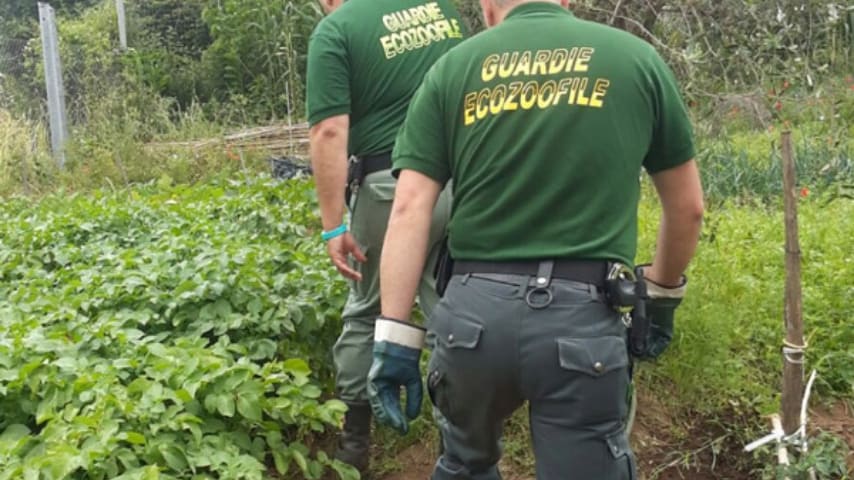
(793, 349)
(782, 453)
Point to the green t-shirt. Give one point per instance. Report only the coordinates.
(544, 122)
(367, 59)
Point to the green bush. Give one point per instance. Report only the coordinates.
(166, 330)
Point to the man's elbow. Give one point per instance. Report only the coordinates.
(414, 196)
(322, 133)
(405, 203)
(690, 214)
(688, 210)
(695, 210)
(329, 129)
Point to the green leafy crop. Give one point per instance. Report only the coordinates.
(161, 334)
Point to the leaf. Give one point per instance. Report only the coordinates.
(231, 380)
(184, 395)
(252, 387)
(59, 464)
(158, 350)
(67, 364)
(336, 405)
(211, 402)
(14, 432)
(344, 471)
(174, 457)
(264, 348)
(249, 406)
(311, 391)
(281, 462)
(296, 366)
(144, 473)
(300, 459)
(225, 405)
(255, 306)
(135, 438)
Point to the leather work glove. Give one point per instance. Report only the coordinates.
(660, 303)
(397, 350)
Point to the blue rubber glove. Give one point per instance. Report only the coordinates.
(397, 350)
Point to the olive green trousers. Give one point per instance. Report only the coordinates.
(370, 209)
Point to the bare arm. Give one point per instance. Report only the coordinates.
(328, 150)
(681, 197)
(405, 245)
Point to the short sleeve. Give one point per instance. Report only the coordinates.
(421, 143)
(328, 75)
(672, 141)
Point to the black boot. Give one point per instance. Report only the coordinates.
(355, 441)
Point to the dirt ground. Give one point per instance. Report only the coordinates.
(703, 452)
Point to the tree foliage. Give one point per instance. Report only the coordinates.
(259, 49)
(249, 55)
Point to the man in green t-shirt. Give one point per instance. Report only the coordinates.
(544, 123)
(366, 59)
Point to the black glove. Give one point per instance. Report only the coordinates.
(654, 316)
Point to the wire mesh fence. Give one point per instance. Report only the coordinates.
(12, 56)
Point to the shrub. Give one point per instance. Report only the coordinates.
(165, 330)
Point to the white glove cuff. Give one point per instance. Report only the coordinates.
(655, 290)
(400, 333)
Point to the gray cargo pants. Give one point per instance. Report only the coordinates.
(568, 360)
(370, 209)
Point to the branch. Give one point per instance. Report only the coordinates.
(614, 15)
(640, 26)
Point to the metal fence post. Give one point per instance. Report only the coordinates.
(53, 82)
(123, 32)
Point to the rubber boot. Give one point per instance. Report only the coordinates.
(355, 441)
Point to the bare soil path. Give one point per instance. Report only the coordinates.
(701, 452)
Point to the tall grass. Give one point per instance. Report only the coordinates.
(25, 163)
(117, 147)
(748, 165)
(729, 331)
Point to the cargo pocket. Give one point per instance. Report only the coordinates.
(618, 446)
(381, 192)
(437, 391)
(594, 356)
(458, 333)
(595, 375)
(451, 381)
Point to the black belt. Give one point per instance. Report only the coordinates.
(593, 272)
(375, 163)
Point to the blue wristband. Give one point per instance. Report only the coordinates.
(335, 232)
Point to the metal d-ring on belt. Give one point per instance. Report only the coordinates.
(540, 284)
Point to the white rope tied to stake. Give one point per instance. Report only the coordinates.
(790, 350)
(798, 437)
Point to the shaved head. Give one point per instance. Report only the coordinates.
(330, 6)
(494, 11)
